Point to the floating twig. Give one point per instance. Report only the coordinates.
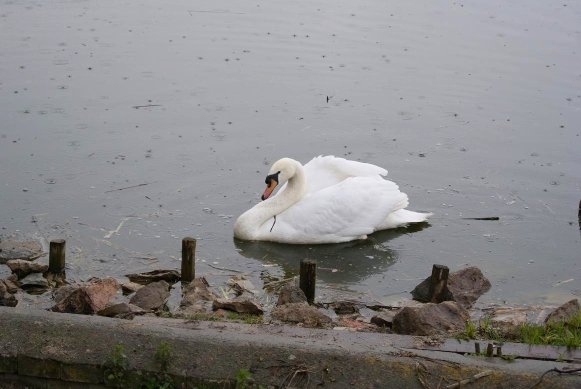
(146, 106)
(482, 218)
(116, 230)
(127, 187)
(215, 11)
(563, 282)
(224, 268)
(274, 284)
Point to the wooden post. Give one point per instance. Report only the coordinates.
(489, 349)
(188, 259)
(498, 351)
(438, 283)
(307, 279)
(56, 257)
(477, 348)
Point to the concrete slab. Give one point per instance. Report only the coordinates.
(72, 349)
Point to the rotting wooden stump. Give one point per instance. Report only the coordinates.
(438, 283)
(56, 257)
(188, 259)
(307, 279)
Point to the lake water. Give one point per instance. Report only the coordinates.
(129, 125)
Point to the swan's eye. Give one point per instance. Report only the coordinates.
(271, 177)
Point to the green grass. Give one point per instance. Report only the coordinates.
(469, 332)
(211, 316)
(487, 330)
(244, 317)
(484, 330)
(566, 333)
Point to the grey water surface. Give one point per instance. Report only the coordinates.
(128, 125)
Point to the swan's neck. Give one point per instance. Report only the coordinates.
(251, 222)
(294, 191)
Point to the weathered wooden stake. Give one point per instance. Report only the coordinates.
(438, 283)
(477, 348)
(307, 279)
(489, 349)
(56, 256)
(498, 351)
(188, 259)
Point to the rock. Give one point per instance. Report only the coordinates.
(56, 280)
(197, 297)
(344, 308)
(354, 324)
(169, 276)
(241, 304)
(242, 285)
(421, 292)
(61, 293)
(302, 313)
(431, 319)
(11, 285)
(130, 287)
(564, 312)
(384, 318)
(152, 296)
(506, 320)
(291, 294)
(7, 299)
(122, 311)
(34, 283)
(22, 267)
(87, 298)
(12, 249)
(465, 286)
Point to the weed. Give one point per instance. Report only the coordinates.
(116, 367)
(469, 331)
(564, 333)
(204, 316)
(244, 317)
(243, 377)
(154, 383)
(487, 330)
(161, 380)
(163, 355)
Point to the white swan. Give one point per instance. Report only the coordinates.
(329, 200)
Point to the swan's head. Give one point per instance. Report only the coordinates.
(280, 172)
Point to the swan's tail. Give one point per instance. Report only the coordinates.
(403, 217)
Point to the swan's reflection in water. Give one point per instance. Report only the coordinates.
(339, 263)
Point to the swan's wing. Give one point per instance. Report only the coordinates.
(351, 209)
(324, 171)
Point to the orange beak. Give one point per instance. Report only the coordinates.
(269, 188)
